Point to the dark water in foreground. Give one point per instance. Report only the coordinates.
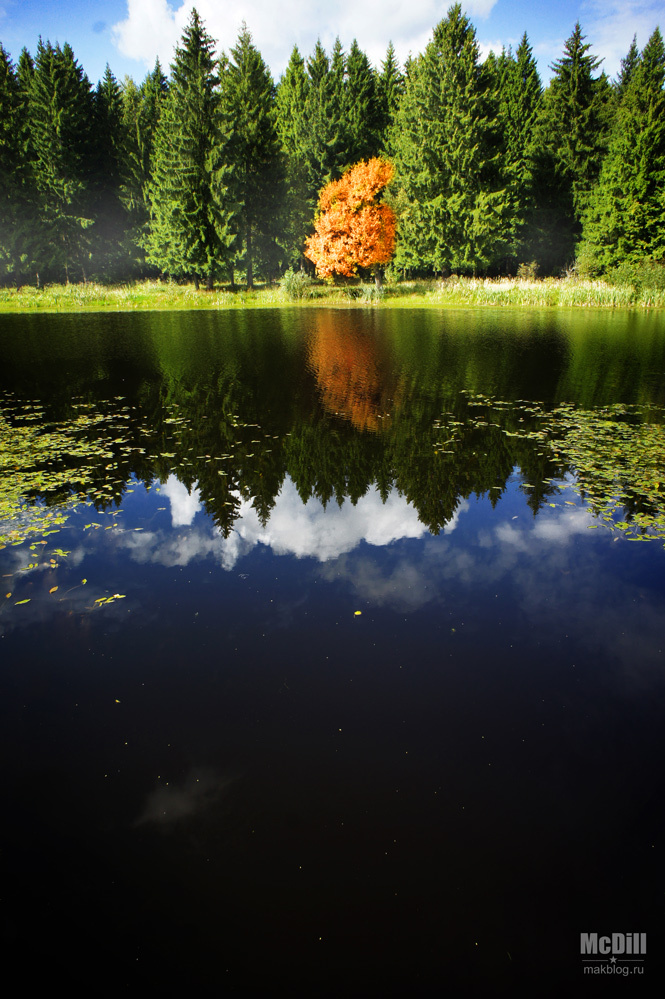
(344, 671)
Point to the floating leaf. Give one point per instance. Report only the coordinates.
(53, 589)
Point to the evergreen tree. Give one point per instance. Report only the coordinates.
(191, 216)
(248, 101)
(362, 111)
(9, 155)
(625, 220)
(299, 203)
(519, 98)
(628, 66)
(141, 110)
(60, 121)
(325, 149)
(109, 212)
(571, 137)
(390, 87)
(452, 212)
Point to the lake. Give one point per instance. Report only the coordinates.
(333, 648)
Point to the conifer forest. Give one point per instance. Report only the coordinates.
(213, 172)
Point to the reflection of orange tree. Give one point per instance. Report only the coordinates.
(351, 378)
(352, 230)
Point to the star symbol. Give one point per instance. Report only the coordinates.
(613, 960)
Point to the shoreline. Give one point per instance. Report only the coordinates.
(155, 295)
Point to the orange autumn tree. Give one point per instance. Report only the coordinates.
(353, 229)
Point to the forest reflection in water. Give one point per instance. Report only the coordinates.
(213, 754)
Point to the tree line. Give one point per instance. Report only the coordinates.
(214, 173)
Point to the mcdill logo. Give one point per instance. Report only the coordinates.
(615, 954)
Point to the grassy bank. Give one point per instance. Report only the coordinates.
(453, 292)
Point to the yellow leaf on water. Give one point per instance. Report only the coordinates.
(19, 602)
(357, 613)
(53, 589)
(8, 595)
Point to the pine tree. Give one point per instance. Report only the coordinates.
(452, 211)
(60, 120)
(625, 220)
(248, 101)
(191, 216)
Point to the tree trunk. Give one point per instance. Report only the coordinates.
(196, 282)
(209, 282)
(378, 276)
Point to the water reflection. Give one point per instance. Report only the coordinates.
(213, 762)
(353, 372)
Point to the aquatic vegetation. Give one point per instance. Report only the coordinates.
(616, 454)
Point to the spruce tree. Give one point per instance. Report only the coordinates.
(628, 66)
(519, 98)
(390, 87)
(453, 213)
(362, 111)
(325, 151)
(625, 220)
(576, 117)
(9, 158)
(61, 120)
(110, 216)
(571, 137)
(141, 110)
(248, 101)
(191, 216)
(299, 201)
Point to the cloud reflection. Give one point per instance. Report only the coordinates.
(184, 504)
(172, 802)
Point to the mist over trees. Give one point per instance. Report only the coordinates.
(214, 173)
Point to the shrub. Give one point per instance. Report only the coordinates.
(296, 285)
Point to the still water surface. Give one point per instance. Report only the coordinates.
(332, 646)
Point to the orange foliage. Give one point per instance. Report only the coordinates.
(351, 229)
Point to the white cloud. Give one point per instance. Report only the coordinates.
(496, 47)
(153, 27)
(610, 25)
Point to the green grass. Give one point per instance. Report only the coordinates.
(454, 292)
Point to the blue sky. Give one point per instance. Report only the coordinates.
(129, 34)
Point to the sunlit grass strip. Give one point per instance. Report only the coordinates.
(452, 292)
